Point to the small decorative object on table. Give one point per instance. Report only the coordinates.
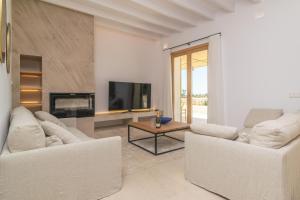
(157, 120)
(165, 120)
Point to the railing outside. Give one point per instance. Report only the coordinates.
(199, 108)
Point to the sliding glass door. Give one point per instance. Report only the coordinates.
(190, 98)
(180, 93)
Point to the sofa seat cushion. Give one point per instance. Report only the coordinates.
(25, 132)
(215, 130)
(276, 133)
(256, 116)
(80, 135)
(53, 129)
(45, 116)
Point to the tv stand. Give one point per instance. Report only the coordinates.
(111, 116)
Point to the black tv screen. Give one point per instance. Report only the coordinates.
(128, 96)
(120, 95)
(141, 98)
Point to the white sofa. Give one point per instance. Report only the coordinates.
(240, 171)
(87, 170)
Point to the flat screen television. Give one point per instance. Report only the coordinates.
(129, 96)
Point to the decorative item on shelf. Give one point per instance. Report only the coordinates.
(2, 30)
(165, 120)
(157, 120)
(8, 48)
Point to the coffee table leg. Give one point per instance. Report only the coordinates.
(128, 133)
(155, 143)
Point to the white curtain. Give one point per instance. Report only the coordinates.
(215, 81)
(167, 85)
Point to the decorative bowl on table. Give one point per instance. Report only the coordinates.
(165, 120)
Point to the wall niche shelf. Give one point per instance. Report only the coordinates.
(31, 82)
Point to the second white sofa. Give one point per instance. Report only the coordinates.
(240, 171)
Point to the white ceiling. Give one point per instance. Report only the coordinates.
(150, 18)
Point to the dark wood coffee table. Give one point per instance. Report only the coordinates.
(149, 126)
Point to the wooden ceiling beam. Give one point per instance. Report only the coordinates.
(126, 29)
(106, 15)
(135, 13)
(165, 11)
(195, 7)
(226, 5)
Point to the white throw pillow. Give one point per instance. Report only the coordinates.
(53, 129)
(25, 132)
(45, 116)
(276, 133)
(215, 130)
(53, 141)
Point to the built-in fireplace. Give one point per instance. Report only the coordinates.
(65, 105)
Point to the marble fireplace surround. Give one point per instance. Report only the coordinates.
(63, 38)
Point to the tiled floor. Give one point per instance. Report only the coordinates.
(149, 177)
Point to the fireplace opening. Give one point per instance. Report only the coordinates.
(66, 105)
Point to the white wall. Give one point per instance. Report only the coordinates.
(5, 102)
(261, 57)
(5, 96)
(123, 57)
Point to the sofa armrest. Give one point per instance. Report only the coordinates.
(86, 170)
(291, 169)
(233, 169)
